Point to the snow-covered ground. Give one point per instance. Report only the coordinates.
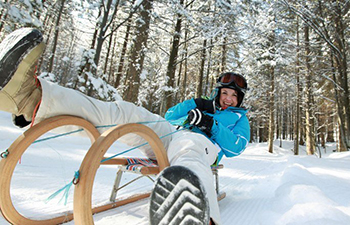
(261, 188)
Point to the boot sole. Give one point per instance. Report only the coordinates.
(178, 197)
(27, 44)
(13, 50)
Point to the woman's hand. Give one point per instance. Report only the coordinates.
(205, 105)
(204, 122)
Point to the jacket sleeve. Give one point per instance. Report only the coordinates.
(180, 110)
(232, 139)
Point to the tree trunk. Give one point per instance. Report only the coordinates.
(271, 109)
(224, 56)
(111, 77)
(338, 51)
(137, 55)
(122, 56)
(341, 44)
(109, 48)
(172, 63)
(102, 31)
(208, 82)
(263, 132)
(178, 93)
(183, 87)
(271, 72)
(298, 98)
(278, 114)
(55, 39)
(338, 102)
(310, 136)
(330, 129)
(201, 71)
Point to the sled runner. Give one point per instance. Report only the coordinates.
(93, 160)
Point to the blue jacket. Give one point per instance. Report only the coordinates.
(231, 130)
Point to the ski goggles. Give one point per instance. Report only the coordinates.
(233, 80)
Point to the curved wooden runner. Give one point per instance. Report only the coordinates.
(17, 149)
(83, 190)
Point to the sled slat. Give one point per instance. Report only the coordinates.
(115, 161)
(145, 170)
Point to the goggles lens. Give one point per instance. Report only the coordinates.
(229, 78)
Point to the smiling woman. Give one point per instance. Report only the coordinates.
(233, 81)
(228, 97)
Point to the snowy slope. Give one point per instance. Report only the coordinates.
(261, 188)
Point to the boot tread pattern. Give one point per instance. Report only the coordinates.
(178, 198)
(14, 48)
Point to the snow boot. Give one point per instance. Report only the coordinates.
(20, 91)
(178, 197)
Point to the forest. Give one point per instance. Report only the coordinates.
(156, 53)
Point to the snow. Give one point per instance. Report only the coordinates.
(261, 188)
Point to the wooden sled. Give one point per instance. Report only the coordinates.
(16, 150)
(83, 210)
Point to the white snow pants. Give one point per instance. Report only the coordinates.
(184, 148)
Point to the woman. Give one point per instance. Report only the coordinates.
(231, 124)
(185, 190)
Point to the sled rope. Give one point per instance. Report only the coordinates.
(5, 153)
(79, 130)
(133, 148)
(57, 136)
(145, 122)
(76, 175)
(65, 189)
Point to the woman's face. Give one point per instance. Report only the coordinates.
(228, 97)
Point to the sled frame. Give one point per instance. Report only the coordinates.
(17, 149)
(82, 203)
